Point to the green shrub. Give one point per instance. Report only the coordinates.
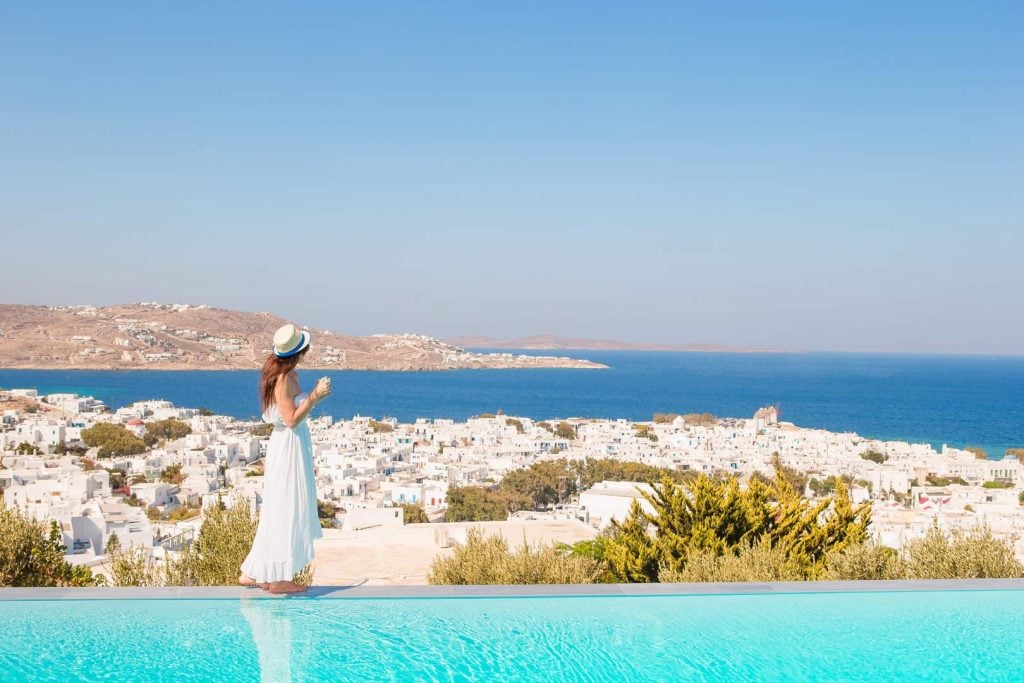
(874, 456)
(863, 562)
(594, 470)
(717, 517)
(172, 474)
(700, 419)
(183, 512)
(961, 555)
(134, 567)
(262, 430)
(487, 560)
(31, 554)
(215, 557)
(413, 513)
(482, 504)
(933, 480)
(644, 431)
(759, 562)
(822, 487)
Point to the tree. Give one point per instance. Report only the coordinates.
(112, 440)
(564, 430)
(381, 427)
(26, 448)
(545, 483)
(933, 480)
(822, 487)
(594, 470)
(205, 412)
(172, 474)
(633, 555)
(979, 452)
(262, 430)
(481, 504)
(716, 517)
(414, 513)
(113, 544)
(31, 554)
(874, 456)
(325, 511)
(168, 430)
(796, 478)
(644, 431)
(700, 419)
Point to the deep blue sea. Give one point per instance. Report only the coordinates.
(959, 400)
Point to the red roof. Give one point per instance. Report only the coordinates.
(135, 422)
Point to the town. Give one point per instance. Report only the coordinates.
(153, 468)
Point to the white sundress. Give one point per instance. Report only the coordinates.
(288, 516)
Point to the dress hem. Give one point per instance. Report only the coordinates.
(269, 572)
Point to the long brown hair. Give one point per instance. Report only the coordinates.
(273, 369)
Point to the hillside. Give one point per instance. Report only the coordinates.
(186, 337)
(548, 342)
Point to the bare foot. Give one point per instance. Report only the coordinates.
(286, 587)
(244, 580)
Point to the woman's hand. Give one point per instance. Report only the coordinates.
(322, 389)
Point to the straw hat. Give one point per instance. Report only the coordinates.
(289, 341)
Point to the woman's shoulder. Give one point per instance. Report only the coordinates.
(287, 379)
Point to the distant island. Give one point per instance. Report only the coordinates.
(156, 336)
(548, 342)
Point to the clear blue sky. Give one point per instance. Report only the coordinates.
(843, 176)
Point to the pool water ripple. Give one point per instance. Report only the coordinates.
(937, 635)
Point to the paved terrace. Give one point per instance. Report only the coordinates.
(606, 590)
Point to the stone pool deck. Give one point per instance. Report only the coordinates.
(608, 590)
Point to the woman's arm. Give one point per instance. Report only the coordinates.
(291, 414)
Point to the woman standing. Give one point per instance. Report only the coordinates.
(288, 519)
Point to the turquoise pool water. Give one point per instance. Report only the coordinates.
(937, 636)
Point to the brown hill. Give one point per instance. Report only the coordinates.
(186, 337)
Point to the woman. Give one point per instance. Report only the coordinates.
(288, 519)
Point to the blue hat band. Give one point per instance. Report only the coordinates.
(303, 338)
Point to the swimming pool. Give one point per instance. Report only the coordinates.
(772, 636)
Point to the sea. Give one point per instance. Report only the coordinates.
(955, 400)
